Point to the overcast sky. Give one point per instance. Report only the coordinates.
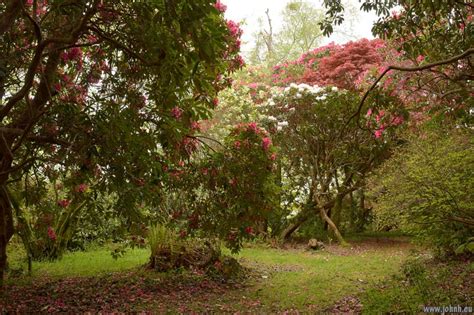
(250, 10)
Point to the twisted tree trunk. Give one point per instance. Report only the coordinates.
(301, 218)
(335, 230)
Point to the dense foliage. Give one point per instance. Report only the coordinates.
(323, 156)
(116, 115)
(426, 189)
(231, 191)
(98, 97)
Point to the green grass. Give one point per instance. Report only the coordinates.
(93, 262)
(302, 280)
(284, 279)
(423, 282)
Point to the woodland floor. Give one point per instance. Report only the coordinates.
(290, 280)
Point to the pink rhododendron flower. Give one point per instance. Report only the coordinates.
(273, 156)
(266, 142)
(378, 133)
(237, 144)
(215, 102)
(380, 115)
(234, 28)
(51, 234)
(176, 112)
(369, 112)
(398, 120)
(195, 126)
(249, 230)
(74, 53)
(420, 58)
(220, 6)
(253, 127)
(240, 61)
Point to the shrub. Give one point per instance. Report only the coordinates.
(426, 189)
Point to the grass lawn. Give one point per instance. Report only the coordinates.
(282, 279)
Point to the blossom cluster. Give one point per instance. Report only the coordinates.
(381, 120)
(220, 6)
(339, 65)
(284, 101)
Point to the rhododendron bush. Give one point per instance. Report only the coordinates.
(340, 65)
(236, 105)
(434, 44)
(231, 191)
(99, 97)
(326, 156)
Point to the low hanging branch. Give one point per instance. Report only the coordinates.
(466, 53)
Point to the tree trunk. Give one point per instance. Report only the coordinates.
(285, 235)
(333, 227)
(300, 218)
(6, 230)
(326, 226)
(336, 211)
(362, 199)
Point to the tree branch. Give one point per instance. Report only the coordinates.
(17, 167)
(466, 53)
(30, 74)
(35, 138)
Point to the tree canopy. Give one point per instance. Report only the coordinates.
(102, 94)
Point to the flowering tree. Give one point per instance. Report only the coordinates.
(236, 105)
(437, 41)
(104, 93)
(326, 157)
(229, 192)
